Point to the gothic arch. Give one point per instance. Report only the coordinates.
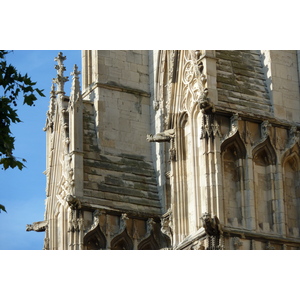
(122, 242)
(293, 151)
(236, 143)
(95, 239)
(291, 185)
(266, 152)
(264, 161)
(233, 153)
(148, 244)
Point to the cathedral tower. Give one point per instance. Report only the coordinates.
(174, 149)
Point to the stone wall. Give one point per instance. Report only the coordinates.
(241, 82)
(224, 170)
(118, 164)
(283, 83)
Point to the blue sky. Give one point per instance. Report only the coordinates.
(23, 192)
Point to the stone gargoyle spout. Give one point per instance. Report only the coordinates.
(164, 136)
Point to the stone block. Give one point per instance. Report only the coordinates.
(133, 67)
(108, 61)
(143, 69)
(115, 74)
(121, 55)
(134, 76)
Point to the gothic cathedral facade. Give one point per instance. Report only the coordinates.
(174, 149)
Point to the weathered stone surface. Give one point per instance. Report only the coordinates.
(242, 72)
(221, 171)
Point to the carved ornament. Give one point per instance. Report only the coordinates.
(165, 136)
(60, 78)
(237, 243)
(37, 226)
(194, 89)
(123, 222)
(211, 225)
(73, 202)
(234, 126)
(75, 89)
(51, 111)
(210, 127)
(213, 231)
(294, 137)
(264, 132)
(269, 246)
(166, 225)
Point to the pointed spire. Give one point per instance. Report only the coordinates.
(52, 92)
(51, 110)
(75, 92)
(60, 79)
(52, 99)
(75, 73)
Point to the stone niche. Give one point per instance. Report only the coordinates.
(292, 194)
(263, 169)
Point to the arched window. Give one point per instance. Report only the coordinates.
(122, 242)
(233, 154)
(148, 244)
(292, 194)
(95, 239)
(264, 160)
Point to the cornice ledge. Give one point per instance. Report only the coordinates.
(111, 85)
(249, 234)
(256, 118)
(200, 234)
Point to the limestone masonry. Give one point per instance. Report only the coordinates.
(174, 149)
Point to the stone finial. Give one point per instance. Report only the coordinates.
(51, 110)
(75, 94)
(52, 99)
(60, 78)
(52, 92)
(75, 72)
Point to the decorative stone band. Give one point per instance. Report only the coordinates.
(115, 87)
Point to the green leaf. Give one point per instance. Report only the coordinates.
(2, 207)
(29, 99)
(14, 85)
(11, 162)
(40, 92)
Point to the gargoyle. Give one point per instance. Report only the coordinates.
(204, 102)
(212, 226)
(164, 136)
(37, 226)
(73, 202)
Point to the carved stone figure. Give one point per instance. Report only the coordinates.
(237, 243)
(37, 226)
(293, 136)
(165, 136)
(212, 226)
(265, 129)
(73, 202)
